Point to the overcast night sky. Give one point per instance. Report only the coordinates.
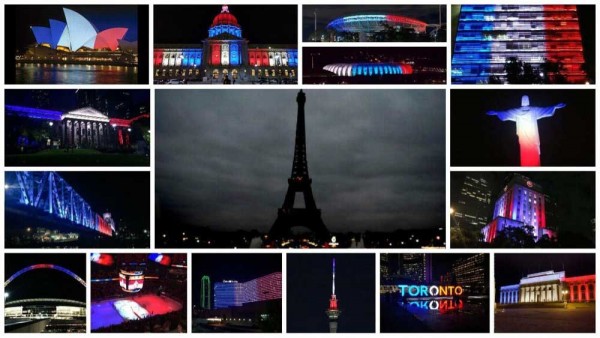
(376, 157)
(328, 13)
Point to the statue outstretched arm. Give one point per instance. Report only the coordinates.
(548, 111)
(506, 115)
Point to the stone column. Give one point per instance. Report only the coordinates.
(572, 295)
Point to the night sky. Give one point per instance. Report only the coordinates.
(328, 13)
(101, 16)
(327, 55)
(240, 267)
(376, 157)
(45, 283)
(66, 99)
(574, 193)
(510, 268)
(126, 195)
(476, 139)
(309, 280)
(261, 24)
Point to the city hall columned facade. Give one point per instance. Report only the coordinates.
(225, 53)
(549, 286)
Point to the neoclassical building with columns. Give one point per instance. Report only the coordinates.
(225, 52)
(550, 286)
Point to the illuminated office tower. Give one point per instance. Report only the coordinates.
(522, 203)
(205, 293)
(490, 35)
(231, 293)
(333, 313)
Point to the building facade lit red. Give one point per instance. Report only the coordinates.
(225, 52)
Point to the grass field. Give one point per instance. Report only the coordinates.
(77, 158)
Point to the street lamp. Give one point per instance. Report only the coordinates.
(565, 293)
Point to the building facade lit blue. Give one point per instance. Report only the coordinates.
(489, 37)
(225, 53)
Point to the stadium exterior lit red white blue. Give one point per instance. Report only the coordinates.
(225, 53)
(77, 41)
(369, 69)
(488, 35)
(365, 25)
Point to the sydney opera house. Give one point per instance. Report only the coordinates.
(77, 41)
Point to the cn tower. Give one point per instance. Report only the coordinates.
(333, 312)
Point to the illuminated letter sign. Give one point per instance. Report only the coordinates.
(430, 291)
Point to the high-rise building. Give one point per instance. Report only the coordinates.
(231, 293)
(205, 290)
(384, 261)
(521, 203)
(333, 312)
(472, 202)
(472, 273)
(416, 267)
(490, 37)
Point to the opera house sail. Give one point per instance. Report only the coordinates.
(78, 41)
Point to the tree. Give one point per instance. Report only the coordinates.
(515, 237)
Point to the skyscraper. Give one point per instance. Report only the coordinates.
(472, 202)
(521, 204)
(333, 312)
(416, 267)
(471, 273)
(205, 292)
(492, 37)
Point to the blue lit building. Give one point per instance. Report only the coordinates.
(225, 52)
(489, 37)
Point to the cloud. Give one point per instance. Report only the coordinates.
(376, 157)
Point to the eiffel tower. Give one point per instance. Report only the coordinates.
(309, 217)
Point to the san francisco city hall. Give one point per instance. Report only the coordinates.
(225, 53)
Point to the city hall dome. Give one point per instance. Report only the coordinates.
(225, 18)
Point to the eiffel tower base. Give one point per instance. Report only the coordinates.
(292, 218)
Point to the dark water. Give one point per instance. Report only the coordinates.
(434, 316)
(29, 73)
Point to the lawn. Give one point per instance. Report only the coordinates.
(78, 157)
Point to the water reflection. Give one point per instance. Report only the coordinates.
(29, 73)
(434, 314)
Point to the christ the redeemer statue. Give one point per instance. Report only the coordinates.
(527, 129)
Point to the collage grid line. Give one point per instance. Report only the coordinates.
(193, 285)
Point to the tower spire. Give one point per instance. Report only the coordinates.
(299, 182)
(333, 281)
